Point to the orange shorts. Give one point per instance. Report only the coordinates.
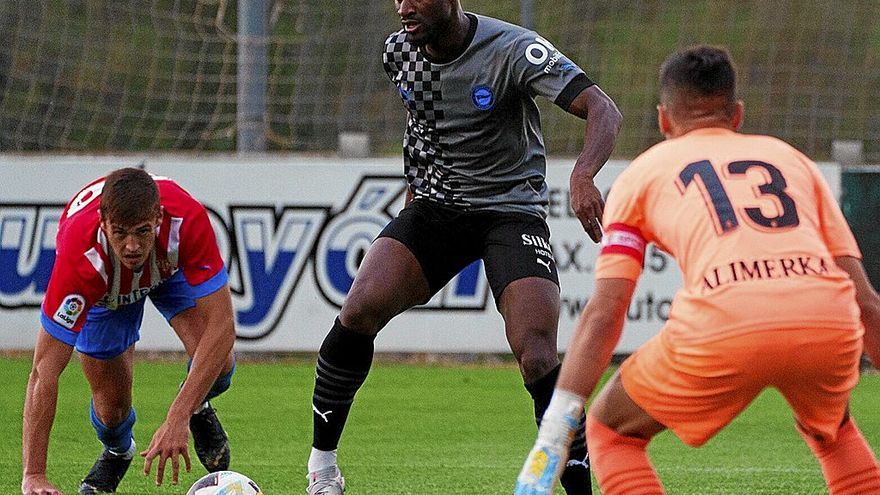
(696, 390)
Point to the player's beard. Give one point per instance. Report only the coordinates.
(422, 38)
(429, 34)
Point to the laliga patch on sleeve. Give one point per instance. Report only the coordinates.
(69, 311)
(623, 239)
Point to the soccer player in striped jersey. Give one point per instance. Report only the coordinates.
(121, 239)
(475, 164)
(774, 295)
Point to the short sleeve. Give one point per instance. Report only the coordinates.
(832, 224)
(200, 257)
(392, 54)
(540, 69)
(74, 287)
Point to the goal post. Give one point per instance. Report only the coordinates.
(252, 75)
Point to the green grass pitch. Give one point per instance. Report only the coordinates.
(414, 429)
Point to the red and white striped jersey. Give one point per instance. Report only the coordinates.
(87, 273)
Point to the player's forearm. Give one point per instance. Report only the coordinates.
(589, 353)
(208, 360)
(600, 133)
(50, 358)
(869, 304)
(871, 321)
(596, 335)
(872, 347)
(39, 414)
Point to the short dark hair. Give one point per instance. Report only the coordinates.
(701, 76)
(130, 196)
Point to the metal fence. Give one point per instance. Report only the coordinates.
(160, 75)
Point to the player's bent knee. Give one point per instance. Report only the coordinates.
(599, 435)
(112, 412)
(535, 365)
(360, 323)
(112, 430)
(817, 440)
(364, 317)
(849, 466)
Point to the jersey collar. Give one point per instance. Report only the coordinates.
(472, 31)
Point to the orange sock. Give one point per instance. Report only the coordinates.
(620, 463)
(848, 464)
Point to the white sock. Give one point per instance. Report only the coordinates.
(128, 454)
(320, 459)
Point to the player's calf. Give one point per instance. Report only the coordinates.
(621, 464)
(848, 464)
(575, 478)
(112, 464)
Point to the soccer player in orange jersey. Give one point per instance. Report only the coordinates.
(774, 295)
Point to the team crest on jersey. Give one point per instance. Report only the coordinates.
(483, 97)
(165, 267)
(69, 310)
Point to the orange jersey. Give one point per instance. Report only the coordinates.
(752, 224)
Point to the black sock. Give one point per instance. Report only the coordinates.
(343, 364)
(575, 478)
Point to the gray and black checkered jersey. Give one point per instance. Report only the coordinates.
(473, 135)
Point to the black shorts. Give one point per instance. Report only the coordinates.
(445, 240)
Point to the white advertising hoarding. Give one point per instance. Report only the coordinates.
(292, 231)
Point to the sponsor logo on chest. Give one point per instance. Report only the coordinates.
(111, 301)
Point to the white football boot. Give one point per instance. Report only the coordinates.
(327, 481)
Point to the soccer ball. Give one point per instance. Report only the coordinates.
(224, 483)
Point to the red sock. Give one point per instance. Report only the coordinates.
(620, 463)
(848, 464)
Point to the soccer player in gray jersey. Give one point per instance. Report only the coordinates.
(475, 163)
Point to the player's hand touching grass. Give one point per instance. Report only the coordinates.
(170, 441)
(38, 484)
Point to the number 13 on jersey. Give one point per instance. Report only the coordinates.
(718, 200)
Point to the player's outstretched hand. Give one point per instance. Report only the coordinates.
(541, 469)
(587, 204)
(170, 441)
(38, 484)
